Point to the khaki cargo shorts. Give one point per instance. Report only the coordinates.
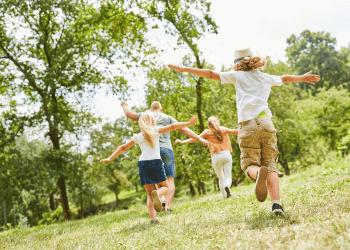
(258, 143)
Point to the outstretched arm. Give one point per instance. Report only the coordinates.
(185, 141)
(308, 77)
(130, 114)
(232, 131)
(189, 133)
(120, 150)
(178, 125)
(206, 73)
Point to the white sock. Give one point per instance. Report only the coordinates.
(276, 201)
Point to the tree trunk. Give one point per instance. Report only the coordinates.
(202, 186)
(64, 199)
(52, 201)
(199, 189)
(116, 197)
(136, 188)
(192, 191)
(61, 183)
(216, 184)
(199, 103)
(239, 178)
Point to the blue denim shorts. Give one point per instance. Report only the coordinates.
(151, 171)
(168, 159)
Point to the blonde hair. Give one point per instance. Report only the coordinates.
(147, 123)
(214, 123)
(250, 63)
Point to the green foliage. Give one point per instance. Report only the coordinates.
(316, 51)
(122, 172)
(50, 49)
(56, 216)
(187, 20)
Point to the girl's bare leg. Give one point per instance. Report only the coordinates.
(152, 212)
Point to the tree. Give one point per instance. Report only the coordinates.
(316, 51)
(103, 143)
(50, 49)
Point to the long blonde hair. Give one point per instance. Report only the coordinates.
(147, 123)
(214, 123)
(250, 63)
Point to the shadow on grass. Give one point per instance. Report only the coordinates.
(265, 219)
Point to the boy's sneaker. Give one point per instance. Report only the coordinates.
(156, 201)
(277, 209)
(228, 192)
(155, 221)
(260, 184)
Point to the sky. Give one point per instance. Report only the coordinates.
(263, 26)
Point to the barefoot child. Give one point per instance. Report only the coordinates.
(220, 150)
(151, 168)
(256, 133)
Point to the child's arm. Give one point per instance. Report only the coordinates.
(206, 73)
(232, 131)
(120, 150)
(191, 140)
(178, 125)
(189, 133)
(304, 78)
(130, 114)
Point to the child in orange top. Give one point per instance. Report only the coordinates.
(220, 150)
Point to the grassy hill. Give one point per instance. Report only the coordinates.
(316, 200)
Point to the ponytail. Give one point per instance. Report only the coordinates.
(214, 124)
(147, 123)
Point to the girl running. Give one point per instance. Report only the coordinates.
(151, 168)
(220, 150)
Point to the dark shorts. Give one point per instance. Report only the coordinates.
(151, 171)
(168, 159)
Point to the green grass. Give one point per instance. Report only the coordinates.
(316, 200)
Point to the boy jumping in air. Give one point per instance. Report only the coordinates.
(256, 133)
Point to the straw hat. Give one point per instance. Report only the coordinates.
(240, 54)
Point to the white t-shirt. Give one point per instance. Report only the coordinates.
(148, 153)
(252, 91)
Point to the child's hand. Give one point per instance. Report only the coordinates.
(176, 68)
(105, 160)
(311, 78)
(177, 141)
(193, 121)
(123, 104)
(204, 142)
